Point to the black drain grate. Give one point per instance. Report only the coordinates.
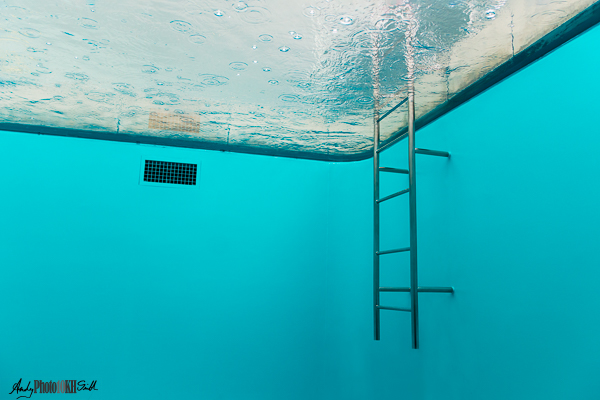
(170, 172)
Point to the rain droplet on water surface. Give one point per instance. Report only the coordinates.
(240, 6)
(311, 11)
(238, 66)
(346, 20)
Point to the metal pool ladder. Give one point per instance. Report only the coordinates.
(414, 289)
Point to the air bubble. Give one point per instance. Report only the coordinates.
(273, 82)
(490, 14)
(267, 69)
(219, 13)
(254, 47)
(284, 49)
(297, 36)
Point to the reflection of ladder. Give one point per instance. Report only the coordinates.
(414, 289)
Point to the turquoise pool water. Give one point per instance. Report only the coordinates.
(257, 283)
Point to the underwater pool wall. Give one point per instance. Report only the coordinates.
(210, 292)
(257, 284)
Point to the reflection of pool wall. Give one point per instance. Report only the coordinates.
(257, 284)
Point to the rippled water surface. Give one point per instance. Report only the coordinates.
(280, 75)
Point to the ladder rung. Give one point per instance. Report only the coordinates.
(396, 170)
(420, 289)
(393, 308)
(393, 251)
(391, 196)
(393, 109)
(432, 152)
(393, 142)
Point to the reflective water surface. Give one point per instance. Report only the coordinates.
(272, 74)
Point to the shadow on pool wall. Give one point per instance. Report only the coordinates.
(257, 284)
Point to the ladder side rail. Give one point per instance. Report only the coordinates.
(412, 180)
(376, 310)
